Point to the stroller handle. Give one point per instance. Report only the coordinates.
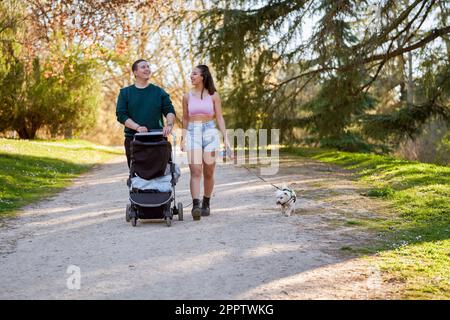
(150, 133)
(155, 132)
(159, 132)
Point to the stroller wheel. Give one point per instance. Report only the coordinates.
(127, 213)
(180, 211)
(133, 221)
(168, 221)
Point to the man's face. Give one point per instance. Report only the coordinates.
(143, 70)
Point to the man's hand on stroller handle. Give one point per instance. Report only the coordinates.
(141, 129)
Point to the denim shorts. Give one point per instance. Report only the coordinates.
(202, 136)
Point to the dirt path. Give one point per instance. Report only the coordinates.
(244, 250)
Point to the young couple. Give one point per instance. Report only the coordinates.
(141, 106)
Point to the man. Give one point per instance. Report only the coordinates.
(140, 107)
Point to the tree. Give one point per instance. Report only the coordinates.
(351, 45)
(64, 38)
(49, 80)
(11, 68)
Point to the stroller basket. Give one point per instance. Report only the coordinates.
(150, 199)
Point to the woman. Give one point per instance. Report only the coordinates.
(200, 137)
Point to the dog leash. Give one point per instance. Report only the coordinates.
(293, 197)
(262, 178)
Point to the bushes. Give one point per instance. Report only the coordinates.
(52, 85)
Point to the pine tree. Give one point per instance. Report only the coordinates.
(273, 66)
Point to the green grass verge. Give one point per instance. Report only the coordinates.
(417, 249)
(32, 170)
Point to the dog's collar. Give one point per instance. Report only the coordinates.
(293, 196)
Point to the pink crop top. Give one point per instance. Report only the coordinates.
(197, 106)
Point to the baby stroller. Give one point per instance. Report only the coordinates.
(152, 180)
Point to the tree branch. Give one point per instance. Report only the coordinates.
(435, 33)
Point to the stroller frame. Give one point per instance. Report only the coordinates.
(161, 209)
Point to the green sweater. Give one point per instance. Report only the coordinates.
(144, 106)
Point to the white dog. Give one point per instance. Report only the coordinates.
(286, 197)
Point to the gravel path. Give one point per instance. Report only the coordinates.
(245, 250)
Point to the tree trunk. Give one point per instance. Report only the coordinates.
(22, 133)
(26, 133)
(26, 130)
(410, 90)
(68, 132)
(445, 13)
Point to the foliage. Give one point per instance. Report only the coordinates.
(62, 102)
(113, 34)
(408, 120)
(327, 66)
(336, 71)
(54, 89)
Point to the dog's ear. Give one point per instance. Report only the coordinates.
(291, 187)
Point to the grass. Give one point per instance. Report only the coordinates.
(33, 170)
(417, 247)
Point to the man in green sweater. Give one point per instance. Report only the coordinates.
(141, 106)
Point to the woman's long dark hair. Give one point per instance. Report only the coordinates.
(208, 82)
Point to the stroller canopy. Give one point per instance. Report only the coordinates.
(149, 159)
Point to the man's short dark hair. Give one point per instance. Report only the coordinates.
(135, 64)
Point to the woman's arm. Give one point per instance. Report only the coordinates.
(220, 120)
(185, 120)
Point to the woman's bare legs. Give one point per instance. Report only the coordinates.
(206, 166)
(196, 176)
(195, 166)
(209, 165)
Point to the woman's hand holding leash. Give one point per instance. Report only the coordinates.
(183, 145)
(228, 151)
(167, 129)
